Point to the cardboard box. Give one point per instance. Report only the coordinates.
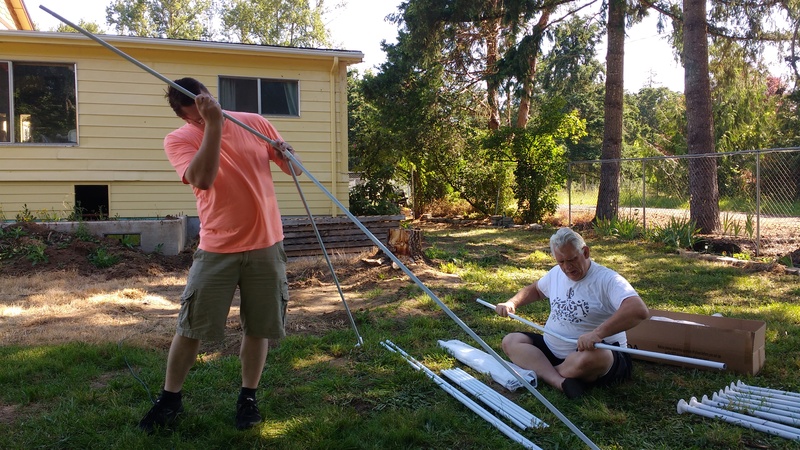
(738, 343)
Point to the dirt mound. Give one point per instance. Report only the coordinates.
(28, 248)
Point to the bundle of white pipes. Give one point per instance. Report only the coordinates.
(767, 410)
(461, 397)
(491, 398)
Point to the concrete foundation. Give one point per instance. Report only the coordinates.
(167, 236)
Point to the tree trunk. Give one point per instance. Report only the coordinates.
(406, 242)
(524, 112)
(608, 195)
(492, 33)
(703, 190)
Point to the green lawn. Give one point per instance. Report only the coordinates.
(321, 392)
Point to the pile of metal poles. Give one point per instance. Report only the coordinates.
(497, 402)
(767, 410)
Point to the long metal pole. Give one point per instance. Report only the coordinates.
(676, 358)
(369, 234)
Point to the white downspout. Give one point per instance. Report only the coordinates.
(334, 181)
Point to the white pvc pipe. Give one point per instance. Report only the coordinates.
(715, 413)
(788, 405)
(491, 398)
(767, 420)
(792, 433)
(759, 403)
(764, 412)
(739, 386)
(676, 358)
(458, 395)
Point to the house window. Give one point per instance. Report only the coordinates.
(259, 95)
(37, 102)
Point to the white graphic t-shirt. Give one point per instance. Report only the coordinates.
(578, 307)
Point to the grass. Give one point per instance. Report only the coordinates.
(321, 392)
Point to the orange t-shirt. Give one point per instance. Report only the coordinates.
(239, 212)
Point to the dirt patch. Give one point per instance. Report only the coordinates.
(51, 291)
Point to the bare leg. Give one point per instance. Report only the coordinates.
(253, 355)
(182, 355)
(586, 366)
(523, 353)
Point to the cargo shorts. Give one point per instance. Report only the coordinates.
(213, 278)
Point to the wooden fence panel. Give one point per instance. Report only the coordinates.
(339, 234)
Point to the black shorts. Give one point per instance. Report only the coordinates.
(621, 368)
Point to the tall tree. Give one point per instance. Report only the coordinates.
(292, 23)
(608, 193)
(172, 19)
(703, 189)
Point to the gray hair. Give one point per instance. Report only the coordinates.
(566, 236)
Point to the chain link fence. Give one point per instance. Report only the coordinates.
(759, 194)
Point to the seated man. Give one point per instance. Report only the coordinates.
(589, 303)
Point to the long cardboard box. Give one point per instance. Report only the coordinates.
(738, 343)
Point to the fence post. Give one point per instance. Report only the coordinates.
(644, 195)
(758, 203)
(569, 194)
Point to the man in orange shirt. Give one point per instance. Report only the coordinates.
(241, 245)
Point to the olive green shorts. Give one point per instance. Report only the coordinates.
(213, 278)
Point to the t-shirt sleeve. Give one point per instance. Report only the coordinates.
(618, 289)
(180, 151)
(544, 283)
(266, 128)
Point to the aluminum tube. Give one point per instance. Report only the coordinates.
(789, 405)
(768, 413)
(489, 396)
(741, 387)
(458, 395)
(378, 243)
(486, 400)
(633, 351)
(745, 420)
(685, 407)
(528, 418)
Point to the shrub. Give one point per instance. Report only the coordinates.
(102, 258)
(678, 233)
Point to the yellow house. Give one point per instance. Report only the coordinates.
(81, 126)
(14, 16)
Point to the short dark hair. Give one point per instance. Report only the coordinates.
(177, 99)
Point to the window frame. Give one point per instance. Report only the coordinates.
(11, 120)
(259, 94)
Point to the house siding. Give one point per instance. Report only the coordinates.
(123, 118)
